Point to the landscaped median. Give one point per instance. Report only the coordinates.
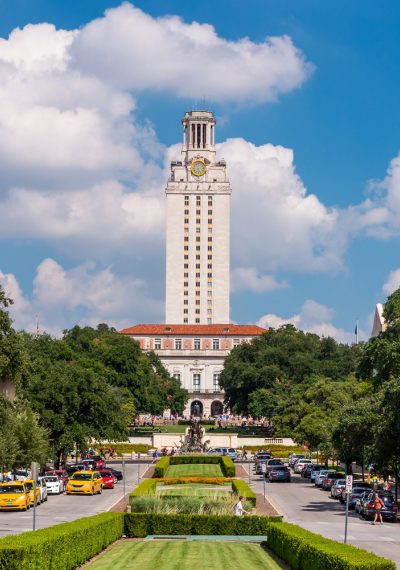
(225, 464)
(67, 545)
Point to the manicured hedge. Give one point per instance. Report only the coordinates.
(304, 550)
(139, 525)
(63, 546)
(161, 467)
(146, 487)
(241, 488)
(226, 463)
(123, 447)
(195, 480)
(202, 422)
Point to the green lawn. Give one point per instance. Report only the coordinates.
(182, 555)
(196, 470)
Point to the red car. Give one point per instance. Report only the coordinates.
(108, 479)
(60, 473)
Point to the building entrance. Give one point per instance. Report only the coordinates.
(216, 408)
(196, 409)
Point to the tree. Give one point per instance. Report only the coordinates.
(12, 353)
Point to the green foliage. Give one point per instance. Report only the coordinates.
(241, 489)
(12, 352)
(226, 463)
(193, 505)
(145, 488)
(63, 546)
(139, 525)
(304, 550)
(161, 467)
(123, 447)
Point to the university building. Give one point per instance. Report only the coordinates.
(197, 335)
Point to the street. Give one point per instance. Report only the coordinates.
(308, 506)
(63, 508)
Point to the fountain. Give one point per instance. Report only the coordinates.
(192, 440)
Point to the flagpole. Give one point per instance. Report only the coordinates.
(37, 326)
(357, 332)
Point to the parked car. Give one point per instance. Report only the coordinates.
(320, 476)
(21, 475)
(117, 474)
(227, 451)
(71, 469)
(315, 471)
(96, 460)
(298, 466)
(388, 511)
(337, 487)
(43, 489)
(309, 468)
(55, 486)
(293, 457)
(330, 478)
(271, 463)
(30, 486)
(357, 490)
(60, 473)
(85, 483)
(14, 496)
(108, 478)
(259, 465)
(279, 473)
(360, 502)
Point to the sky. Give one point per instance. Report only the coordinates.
(306, 96)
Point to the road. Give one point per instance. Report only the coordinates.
(63, 508)
(310, 507)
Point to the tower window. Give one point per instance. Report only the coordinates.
(186, 212)
(197, 265)
(197, 293)
(197, 301)
(197, 275)
(185, 302)
(186, 200)
(197, 248)
(185, 311)
(209, 239)
(186, 266)
(185, 283)
(186, 293)
(209, 256)
(210, 220)
(197, 220)
(186, 248)
(210, 212)
(210, 248)
(197, 311)
(186, 220)
(186, 256)
(198, 212)
(197, 238)
(186, 238)
(197, 283)
(197, 321)
(209, 275)
(185, 320)
(209, 265)
(197, 256)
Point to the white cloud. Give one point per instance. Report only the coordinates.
(133, 50)
(392, 283)
(84, 295)
(312, 317)
(247, 278)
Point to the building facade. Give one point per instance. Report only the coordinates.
(197, 338)
(379, 323)
(195, 354)
(198, 213)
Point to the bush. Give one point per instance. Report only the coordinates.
(242, 489)
(202, 422)
(139, 525)
(124, 447)
(171, 505)
(303, 550)
(161, 467)
(227, 466)
(146, 487)
(63, 546)
(195, 480)
(226, 463)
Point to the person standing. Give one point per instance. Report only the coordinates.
(239, 509)
(378, 504)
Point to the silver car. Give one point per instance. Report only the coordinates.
(336, 489)
(320, 476)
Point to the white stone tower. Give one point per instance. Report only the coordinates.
(198, 211)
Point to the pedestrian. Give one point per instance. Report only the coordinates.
(239, 509)
(378, 504)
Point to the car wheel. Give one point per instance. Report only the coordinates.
(92, 490)
(100, 490)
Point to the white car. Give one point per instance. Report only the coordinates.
(54, 485)
(43, 489)
(320, 477)
(298, 466)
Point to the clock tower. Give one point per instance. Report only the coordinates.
(198, 214)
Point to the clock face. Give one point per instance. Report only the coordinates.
(198, 168)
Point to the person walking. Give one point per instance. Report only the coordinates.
(378, 504)
(239, 509)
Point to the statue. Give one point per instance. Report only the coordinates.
(192, 442)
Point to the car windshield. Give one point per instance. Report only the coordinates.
(82, 477)
(29, 484)
(11, 489)
(340, 482)
(51, 479)
(105, 473)
(280, 468)
(317, 467)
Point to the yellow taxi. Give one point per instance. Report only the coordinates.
(29, 486)
(14, 495)
(85, 483)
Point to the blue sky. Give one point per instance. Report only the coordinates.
(334, 103)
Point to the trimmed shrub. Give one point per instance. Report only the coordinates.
(202, 422)
(242, 489)
(227, 466)
(195, 480)
(124, 447)
(139, 525)
(226, 463)
(303, 550)
(61, 547)
(161, 467)
(145, 488)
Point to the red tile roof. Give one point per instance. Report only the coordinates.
(195, 330)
